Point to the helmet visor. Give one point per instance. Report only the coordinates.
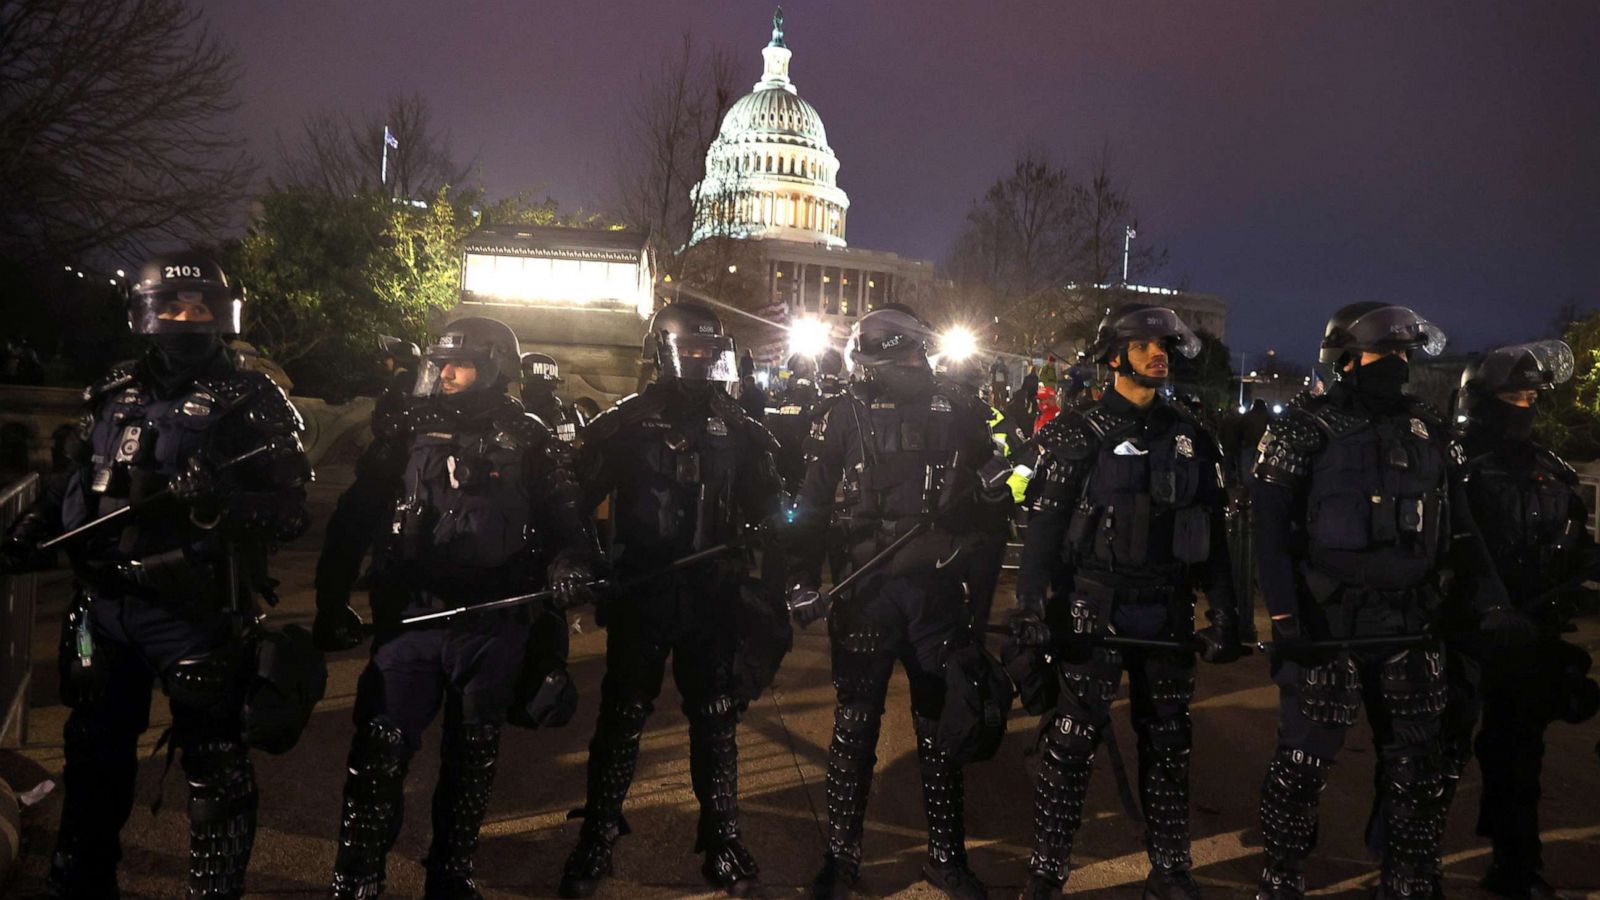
(177, 310)
(1536, 366)
(699, 357)
(1158, 322)
(1395, 328)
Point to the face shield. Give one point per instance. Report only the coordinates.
(201, 309)
(1155, 323)
(1391, 328)
(1536, 366)
(699, 357)
(451, 370)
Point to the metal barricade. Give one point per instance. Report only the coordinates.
(18, 596)
(1589, 490)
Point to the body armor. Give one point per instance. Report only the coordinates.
(1534, 519)
(464, 517)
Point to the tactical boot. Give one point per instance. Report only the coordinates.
(1289, 798)
(836, 879)
(730, 867)
(1039, 888)
(1506, 881)
(714, 773)
(466, 775)
(613, 753)
(75, 877)
(1171, 884)
(1059, 791)
(944, 801)
(851, 757)
(955, 880)
(374, 802)
(590, 861)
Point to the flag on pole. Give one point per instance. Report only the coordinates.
(390, 139)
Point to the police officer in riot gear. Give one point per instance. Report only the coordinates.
(1358, 501)
(1525, 499)
(486, 506)
(686, 470)
(541, 375)
(986, 552)
(807, 399)
(362, 509)
(908, 450)
(207, 456)
(1125, 522)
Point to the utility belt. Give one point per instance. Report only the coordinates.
(1341, 605)
(1124, 594)
(175, 578)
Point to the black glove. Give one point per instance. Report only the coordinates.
(573, 581)
(1508, 626)
(337, 627)
(1028, 627)
(807, 605)
(195, 487)
(1219, 641)
(1289, 640)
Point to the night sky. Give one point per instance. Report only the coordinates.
(1292, 156)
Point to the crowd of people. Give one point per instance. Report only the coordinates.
(1408, 567)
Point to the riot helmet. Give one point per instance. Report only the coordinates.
(1377, 327)
(801, 366)
(968, 372)
(487, 345)
(1536, 366)
(889, 334)
(540, 367)
(830, 364)
(686, 341)
(1140, 322)
(403, 353)
(184, 293)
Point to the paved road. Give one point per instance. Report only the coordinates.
(783, 743)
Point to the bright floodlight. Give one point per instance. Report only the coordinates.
(957, 344)
(808, 337)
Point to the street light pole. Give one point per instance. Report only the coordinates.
(1127, 244)
(1243, 367)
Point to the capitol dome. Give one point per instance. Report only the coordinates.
(770, 173)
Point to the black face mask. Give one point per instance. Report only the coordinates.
(901, 382)
(1382, 381)
(186, 352)
(1505, 421)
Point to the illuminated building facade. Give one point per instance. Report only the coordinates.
(580, 294)
(771, 177)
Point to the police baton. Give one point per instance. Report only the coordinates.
(738, 543)
(1114, 641)
(878, 560)
(1373, 642)
(114, 515)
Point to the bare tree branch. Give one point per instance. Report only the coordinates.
(113, 128)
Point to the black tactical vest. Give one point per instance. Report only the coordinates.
(896, 466)
(1523, 504)
(680, 464)
(1139, 507)
(1376, 505)
(464, 520)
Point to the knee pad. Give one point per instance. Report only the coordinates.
(1168, 733)
(1173, 688)
(855, 733)
(222, 782)
(1073, 734)
(1414, 783)
(379, 745)
(208, 683)
(623, 720)
(721, 708)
